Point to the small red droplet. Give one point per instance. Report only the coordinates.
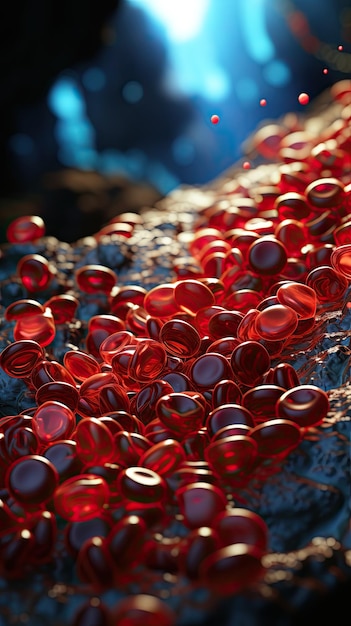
(263, 102)
(340, 48)
(214, 119)
(303, 98)
(246, 165)
(325, 71)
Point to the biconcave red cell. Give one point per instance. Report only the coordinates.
(63, 307)
(25, 228)
(224, 324)
(341, 260)
(63, 455)
(299, 297)
(192, 295)
(141, 484)
(81, 497)
(160, 301)
(237, 525)
(292, 235)
(275, 438)
(325, 193)
(181, 412)
(250, 360)
(80, 364)
(143, 610)
(147, 361)
(58, 391)
(35, 272)
(39, 327)
(277, 322)
(19, 358)
(144, 402)
(199, 503)
(226, 392)
(198, 544)
(306, 405)
(130, 446)
(227, 415)
(95, 442)
(46, 371)
(261, 401)
(23, 308)
(209, 369)
(267, 256)
(95, 279)
(126, 541)
(164, 457)
(229, 570)
(53, 420)
(180, 338)
(330, 286)
(232, 456)
(32, 480)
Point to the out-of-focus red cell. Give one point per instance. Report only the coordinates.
(199, 503)
(303, 98)
(214, 246)
(25, 228)
(276, 323)
(292, 205)
(209, 369)
(325, 193)
(144, 402)
(267, 140)
(164, 457)
(63, 455)
(237, 525)
(80, 364)
(249, 361)
(229, 570)
(232, 456)
(60, 392)
(160, 301)
(81, 497)
(198, 544)
(299, 297)
(136, 319)
(227, 415)
(92, 612)
(306, 405)
(143, 610)
(52, 421)
(192, 295)
(44, 529)
(31, 480)
(35, 272)
(180, 338)
(261, 401)
(95, 279)
(23, 308)
(292, 235)
(267, 256)
(95, 442)
(330, 286)
(19, 358)
(63, 307)
(342, 234)
(141, 484)
(202, 237)
(40, 328)
(319, 255)
(181, 412)
(126, 541)
(155, 432)
(276, 437)
(122, 297)
(341, 260)
(118, 231)
(147, 361)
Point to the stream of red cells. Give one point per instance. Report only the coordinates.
(180, 393)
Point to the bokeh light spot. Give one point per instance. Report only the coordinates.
(277, 73)
(132, 92)
(21, 144)
(94, 79)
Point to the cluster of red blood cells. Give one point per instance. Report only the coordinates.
(183, 393)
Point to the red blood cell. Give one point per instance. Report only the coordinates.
(126, 541)
(303, 98)
(178, 381)
(32, 480)
(130, 446)
(330, 286)
(226, 392)
(63, 455)
(164, 457)
(122, 297)
(92, 612)
(113, 397)
(227, 415)
(115, 230)
(181, 412)
(276, 323)
(341, 260)
(23, 308)
(40, 328)
(203, 316)
(180, 338)
(144, 402)
(247, 329)
(18, 441)
(292, 205)
(95, 279)
(19, 358)
(108, 323)
(267, 256)
(209, 369)
(77, 533)
(249, 361)
(35, 272)
(147, 361)
(143, 610)
(284, 375)
(317, 256)
(276, 437)
(114, 343)
(214, 119)
(63, 307)
(89, 393)
(342, 235)
(52, 421)
(224, 324)
(193, 295)
(261, 401)
(246, 165)
(237, 525)
(243, 300)
(136, 319)
(231, 569)
(213, 246)
(95, 442)
(199, 503)
(267, 140)
(292, 235)
(160, 301)
(25, 228)
(142, 484)
(153, 327)
(60, 392)
(233, 456)
(299, 297)
(80, 365)
(325, 193)
(44, 529)
(94, 564)
(306, 405)
(263, 102)
(81, 497)
(199, 544)
(15, 554)
(155, 431)
(8, 521)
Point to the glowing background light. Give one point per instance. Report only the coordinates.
(181, 18)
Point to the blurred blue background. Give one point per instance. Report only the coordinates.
(141, 107)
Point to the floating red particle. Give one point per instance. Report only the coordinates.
(340, 48)
(214, 119)
(325, 70)
(303, 98)
(263, 102)
(246, 165)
